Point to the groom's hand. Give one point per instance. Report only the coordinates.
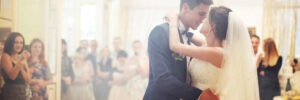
(208, 95)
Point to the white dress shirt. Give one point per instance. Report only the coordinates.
(182, 28)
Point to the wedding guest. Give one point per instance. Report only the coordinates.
(41, 76)
(295, 80)
(1, 48)
(15, 69)
(119, 90)
(138, 84)
(93, 55)
(255, 44)
(67, 73)
(255, 40)
(140, 58)
(1, 77)
(104, 75)
(117, 44)
(84, 44)
(268, 70)
(294, 64)
(81, 88)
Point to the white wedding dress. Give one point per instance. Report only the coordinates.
(237, 77)
(203, 74)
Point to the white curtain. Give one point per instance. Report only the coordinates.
(139, 17)
(72, 16)
(279, 23)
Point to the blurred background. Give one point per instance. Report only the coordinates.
(100, 29)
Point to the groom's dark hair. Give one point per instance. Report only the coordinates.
(194, 3)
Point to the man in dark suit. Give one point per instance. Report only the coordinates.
(168, 70)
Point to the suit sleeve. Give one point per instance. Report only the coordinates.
(158, 48)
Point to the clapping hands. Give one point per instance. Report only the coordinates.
(25, 55)
(21, 59)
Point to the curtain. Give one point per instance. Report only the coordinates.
(139, 17)
(279, 23)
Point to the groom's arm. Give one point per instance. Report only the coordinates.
(158, 47)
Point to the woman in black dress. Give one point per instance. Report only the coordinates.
(15, 69)
(104, 75)
(267, 71)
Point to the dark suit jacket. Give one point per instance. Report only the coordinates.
(167, 75)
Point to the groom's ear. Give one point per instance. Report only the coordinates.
(185, 8)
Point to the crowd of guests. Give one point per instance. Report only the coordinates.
(88, 74)
(104, 75)
(269, 63)
(25, 74)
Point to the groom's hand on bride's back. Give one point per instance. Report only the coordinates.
(208, 95)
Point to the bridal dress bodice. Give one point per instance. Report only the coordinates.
(204, 75)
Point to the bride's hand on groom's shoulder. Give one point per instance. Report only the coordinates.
(171, 16)
(208, 95)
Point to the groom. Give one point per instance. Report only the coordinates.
(168, 70)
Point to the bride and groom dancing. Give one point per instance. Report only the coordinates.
(220, 68)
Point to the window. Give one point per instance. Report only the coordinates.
(88, 21)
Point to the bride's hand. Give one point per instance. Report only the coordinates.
(171, 17)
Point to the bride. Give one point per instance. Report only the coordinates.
(226, 66)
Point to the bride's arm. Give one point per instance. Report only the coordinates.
(209, 54)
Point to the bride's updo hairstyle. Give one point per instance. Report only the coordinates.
(219, 17)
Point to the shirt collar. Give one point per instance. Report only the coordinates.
(181, 27)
